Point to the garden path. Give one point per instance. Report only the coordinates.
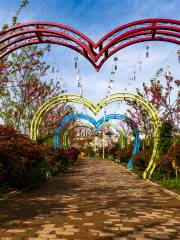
(97, 199)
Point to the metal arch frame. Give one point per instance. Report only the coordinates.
(97, 125)
(156, 29)
(95, 108)
(68, 134)
(65, 134)
(120, 130)
(124, 127)
(93, 121)
(132, 126)
(67, 131)
(126, 130)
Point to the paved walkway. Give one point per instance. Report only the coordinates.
(97, 200)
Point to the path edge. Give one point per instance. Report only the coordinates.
(176, 195)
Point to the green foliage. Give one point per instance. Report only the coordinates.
(165, 138)
(89, 151)
(23, 4)
(171, 183)
(160, 175)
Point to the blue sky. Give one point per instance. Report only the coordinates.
(95, 18)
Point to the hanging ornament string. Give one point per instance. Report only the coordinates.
(79, 81)
(56, 69)
(168, 56)
(147, 51)
(110, 81)
(109, 91)
(140, 65)
(166, 73)
(133, 73)
(178, 53)
(57, 76)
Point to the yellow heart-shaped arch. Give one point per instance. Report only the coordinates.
(95, 108)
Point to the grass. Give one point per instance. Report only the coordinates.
(171, 184)
(168, 182)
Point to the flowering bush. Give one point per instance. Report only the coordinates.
(123, 154)
(18, 156)
(63, 156)
(170, 160)
(60, 159)
(142, 158)
(23, 162)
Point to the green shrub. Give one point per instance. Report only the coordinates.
(165, 137)
(173, 183)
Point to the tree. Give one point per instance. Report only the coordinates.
(24, 86)
(165, 137)
(159, 93)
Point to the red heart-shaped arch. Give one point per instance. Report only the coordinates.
(97, 53)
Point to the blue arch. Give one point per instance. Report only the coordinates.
(97, 124)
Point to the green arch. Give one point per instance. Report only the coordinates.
(65, 135)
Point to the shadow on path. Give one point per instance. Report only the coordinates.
(95, 200)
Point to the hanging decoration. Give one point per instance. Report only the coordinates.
(111, 80)
(137, 66)
(140, 65)
(53, 68)
(147, 51)
(134, 75)
(79, 80)
(57, 74)
(178, 53)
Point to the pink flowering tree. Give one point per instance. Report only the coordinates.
(163, 93)
(24, 85)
